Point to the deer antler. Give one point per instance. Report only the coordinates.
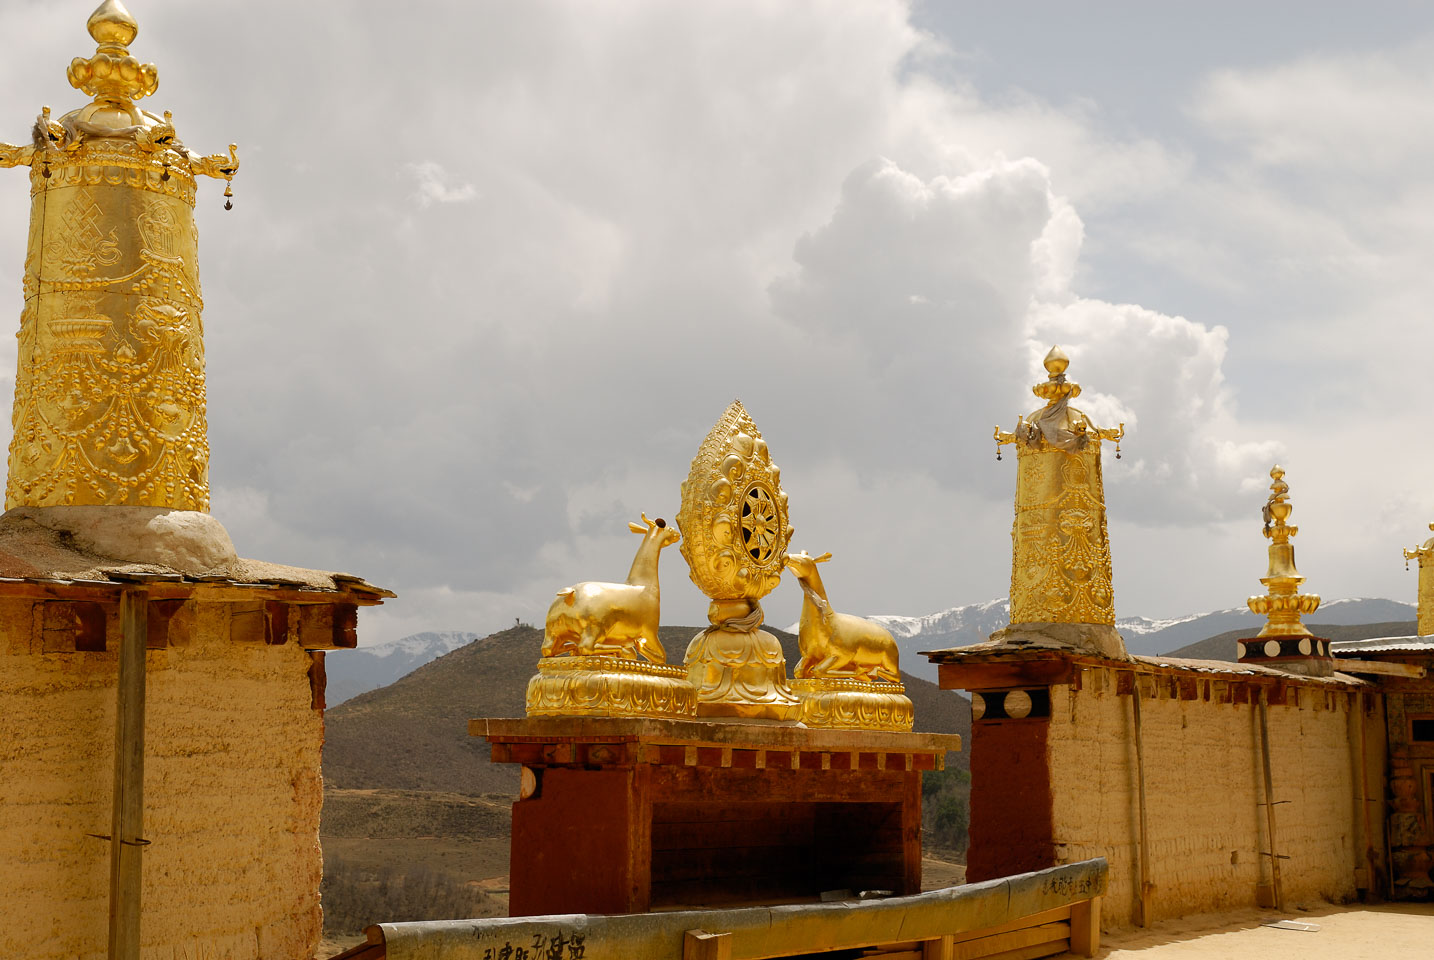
(649, 523)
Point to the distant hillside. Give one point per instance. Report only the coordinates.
(1222, 646)
(352, 672)
(413, 733)
(975, 622)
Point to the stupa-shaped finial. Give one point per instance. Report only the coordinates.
(111, 72)
(1283, 605)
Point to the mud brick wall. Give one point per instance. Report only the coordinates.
(1204, 787)
(232, 788)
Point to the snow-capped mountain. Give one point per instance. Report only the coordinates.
(975, 622)
(352, 672)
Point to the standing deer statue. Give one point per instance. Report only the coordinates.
(613, 619)
(837, 644)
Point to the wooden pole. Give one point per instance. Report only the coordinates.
(1366, 834)
(1270, 797)
(127, 822)
(1146, 886)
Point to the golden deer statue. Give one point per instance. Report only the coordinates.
(838, 644)
(613, 619)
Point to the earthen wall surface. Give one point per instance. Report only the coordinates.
(1204, 789)
(232, 794)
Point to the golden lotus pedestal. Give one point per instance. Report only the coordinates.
(631, 815)
(609, 687)
(854, 704)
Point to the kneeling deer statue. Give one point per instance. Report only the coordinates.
(838, 644)
(613, 619)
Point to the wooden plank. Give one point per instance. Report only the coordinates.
(716, 811)
(127, 815)
(1033, 951)
(1012, 940)
(943, 948)
(1085, 927)
(1381, 667)
(726, 833)
(1004, 675)
(1034, 920)
(700, 945)
(639, 838)
(883, 954)
(911, 835)
(714, 734)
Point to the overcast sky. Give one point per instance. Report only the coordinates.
(494, 270)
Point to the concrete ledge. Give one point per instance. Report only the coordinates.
(755, 932)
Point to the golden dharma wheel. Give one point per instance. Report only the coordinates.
(733, 519)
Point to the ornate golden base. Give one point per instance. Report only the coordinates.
(856, 704)
(741, 674)
(609, 687)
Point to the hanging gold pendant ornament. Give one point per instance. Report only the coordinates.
(734, 538)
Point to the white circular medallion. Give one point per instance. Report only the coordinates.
(1272, 648)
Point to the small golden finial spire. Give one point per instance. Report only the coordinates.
(1425, 555)
(112, 73)
(1283, 605)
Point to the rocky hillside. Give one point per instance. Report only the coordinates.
(413, 733)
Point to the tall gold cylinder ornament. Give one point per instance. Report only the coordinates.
(735, 535)
(1061, 583)
(109, 387)
(1425, 555)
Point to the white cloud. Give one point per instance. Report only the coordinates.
(463, 380)
(435, 185)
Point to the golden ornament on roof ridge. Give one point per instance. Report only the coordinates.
(109, 389)
(1062, 589)
(1282, 605)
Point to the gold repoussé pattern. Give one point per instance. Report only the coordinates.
(734, 513)
(1060, 564)
(109, 386)
(109, 390)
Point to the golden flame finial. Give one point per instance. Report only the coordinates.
(112, 23)
(1283, 605)
(1056, 362)
(112, 73)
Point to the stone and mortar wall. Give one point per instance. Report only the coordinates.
(1204, 787)
(232, 794)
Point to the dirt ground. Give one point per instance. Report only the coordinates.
(1356, 932)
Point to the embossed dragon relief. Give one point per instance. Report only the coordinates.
(110, 388)
(1062, 542)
